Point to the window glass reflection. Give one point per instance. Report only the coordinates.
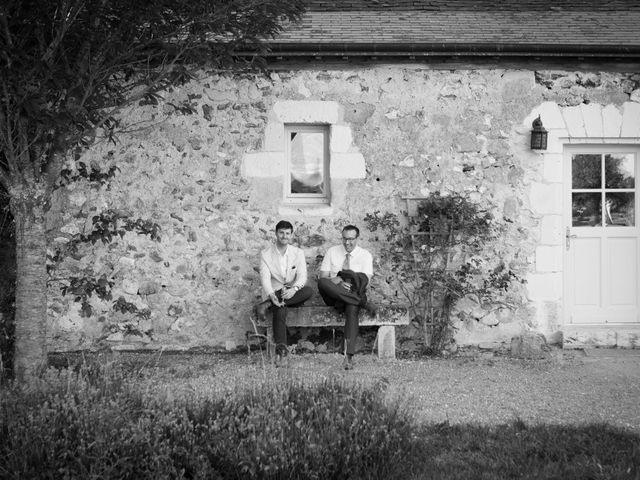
(619, 209)
(586, 171)
(619, 171)
(585, 209)
(307, 162)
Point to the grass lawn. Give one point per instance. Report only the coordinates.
(107, 419)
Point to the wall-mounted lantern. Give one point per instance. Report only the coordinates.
(538, 135)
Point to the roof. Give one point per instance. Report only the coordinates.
(465, 27)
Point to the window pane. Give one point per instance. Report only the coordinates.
(586, 209)
(586, 171)
(620, 210)
(619, 171)
(307, 162)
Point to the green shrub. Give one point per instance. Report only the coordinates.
(438, 255)
(87, 425)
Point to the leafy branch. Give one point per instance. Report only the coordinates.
(107, 227)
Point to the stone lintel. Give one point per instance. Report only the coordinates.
(574, 121)
(630, 120)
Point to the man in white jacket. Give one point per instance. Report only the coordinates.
(283, 274)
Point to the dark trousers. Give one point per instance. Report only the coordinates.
(279, 320)
(335, 295)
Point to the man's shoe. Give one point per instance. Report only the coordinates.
(371, 308)
(261, 310)
(347, 363)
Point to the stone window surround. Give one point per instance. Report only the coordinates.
(345, 160)
(582, 124)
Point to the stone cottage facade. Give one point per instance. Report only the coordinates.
(442, 101)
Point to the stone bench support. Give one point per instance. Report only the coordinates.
(386, 320)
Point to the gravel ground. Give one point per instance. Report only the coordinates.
(571, 388)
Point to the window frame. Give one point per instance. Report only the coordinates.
(307, 198)
(602, 151)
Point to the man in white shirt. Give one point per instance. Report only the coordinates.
(283, 274)
(344, 275)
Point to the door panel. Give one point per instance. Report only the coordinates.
(586, 273)
(623, 290)
(602, 249)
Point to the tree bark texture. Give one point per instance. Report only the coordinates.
(31, 284)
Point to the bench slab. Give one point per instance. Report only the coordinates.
(311, 316)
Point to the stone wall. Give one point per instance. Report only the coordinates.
(204, 163)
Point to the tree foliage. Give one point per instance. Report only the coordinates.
(66, 66)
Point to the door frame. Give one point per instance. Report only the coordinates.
(567, 229)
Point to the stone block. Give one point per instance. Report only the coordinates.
(307, 111)
(531, 345)
(387, 342)
(263, 164)
(551, 230)
(548, 259)
(341, 139)
(630, 120)
(274, 137)
(588, 337)
(550, 115)
(511, 209)
(628, 339)
(517, 85)
(555, 140)
(592, 118)
(575, 122)
(544, 286)
(546, 198)
(553, 167)
(347, 165)
(611, 121)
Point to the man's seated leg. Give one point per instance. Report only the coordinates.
(301, 296)
(279, 323)
(326, 288)
(350, 334)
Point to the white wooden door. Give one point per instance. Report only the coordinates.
(602, 236)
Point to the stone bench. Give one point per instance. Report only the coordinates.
(311, 316)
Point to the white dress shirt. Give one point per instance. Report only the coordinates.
(360, 261)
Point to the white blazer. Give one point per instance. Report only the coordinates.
(271, 275)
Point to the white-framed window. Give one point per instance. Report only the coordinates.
(603, 188)
(307, 164)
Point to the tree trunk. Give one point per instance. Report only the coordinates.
(27, 207)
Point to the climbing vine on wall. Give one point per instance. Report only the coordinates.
(435, 257)
(106, 228)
